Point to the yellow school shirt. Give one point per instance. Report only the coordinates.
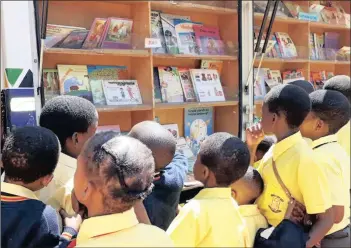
(211, 219)
(120, 230)
(300, 173)
(336, 164)
(256, 164)
(17, 190)
(254, 220)
(62, 198)
(344, 137)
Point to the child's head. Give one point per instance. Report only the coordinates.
(339, 83)
(264, 146)
(303, 84)
(330, 112)
(222, 160)
(30, 156)
(284, 109)
(159, 140)
(73, 119)
(247, 189)
(113, 173)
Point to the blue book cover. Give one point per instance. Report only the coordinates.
(186, 36)
(198, 124)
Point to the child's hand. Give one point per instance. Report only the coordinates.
(254, 135)
(71, 221)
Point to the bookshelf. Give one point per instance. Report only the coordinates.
(140, 61)
(299, 31)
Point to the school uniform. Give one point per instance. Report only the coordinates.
(62, 198)
(301, 175)
(344, 137)
(256, 164)
(336, 165)
(27, 222)
(254, 220)
(119, 230)
(211, 219)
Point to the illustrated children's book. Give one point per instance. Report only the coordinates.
(117, 34)
(121, 92)
(259, 85)
(186, 36)
(207, 85)
(157, 32)
(51, 83)
(208, 40)
(157, 87)
(169, 32)
(173, 129)
(183, 148)
(212, 64)
(286, 45)
(75, 39)
(171, 88)
(95, 34)
(74, 81)
(276, 76)
(198, 124)
(187, 85)
(56, 33)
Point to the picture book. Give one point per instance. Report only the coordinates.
(331, 43)
(343, 54)
(213, 65)
(173, 129)
(157, 87)
(198, 124)
(186, 36)
(157, 32)
(171, 89)
(117, 34)
(259, 84)
(97, 92)
(316, 79)
(187, 85)
(95, 34)
(208, 40)
(329, 15)
(107, 72)
(75, 39)
(121, 92)
(292, 75)
(56, 33)
(286, 45)
(276, 76)
(51, 83)
(276, 47)
(74, 81)
(115, 128)
(169, 32)
(207, 84)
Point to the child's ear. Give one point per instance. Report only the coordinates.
(319, 125)
(206, 173)
(47, 179)
(233, 194)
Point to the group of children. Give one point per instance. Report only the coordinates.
(123, 191)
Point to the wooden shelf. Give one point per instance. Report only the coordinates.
(99, 52)
(194, 104)
(323, 25)
(330, 62)
(279, 19)
(121, 108)
(279, 60)
(195, 57)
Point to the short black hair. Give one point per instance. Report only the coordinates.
(226, 156)
(65, 115)
(332, 107)
(290, 100)
(303, 84)
(253, 177)
(30, 153)
(339, 83)
(266, 143)
(122, 167)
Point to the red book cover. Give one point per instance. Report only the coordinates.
(95, 34)
(209, 40)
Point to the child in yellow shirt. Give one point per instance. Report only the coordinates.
(245, 191)
(263, 148)
(213, 217)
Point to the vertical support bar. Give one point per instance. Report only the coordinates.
(246, 101)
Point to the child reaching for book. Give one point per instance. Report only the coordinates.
(212, 218)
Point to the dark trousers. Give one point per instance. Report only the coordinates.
(339, 239)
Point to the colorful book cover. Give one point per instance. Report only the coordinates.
(213, 65)
(56, 33)
(74, 80)
(329, 15)
(118, 34)
(95, 34)
(208, 40)
(51, 83)
(171, 89)
(121, 92)
(331, 43)
(292, 75)
(157, 87)
(259, 84)
(183, 148)
(312, 47)
(75, 39)
(169, 32)
(207, 85)
(276, 47)
(115, 128)
(187, 85)
(276, 76)
(173, 129)
(97, 92)
(186, 36)
(106, 72)
(286, 45)
(157, 32)
(198, 124)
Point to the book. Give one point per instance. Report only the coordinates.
(95, 34)
(276, 76)
(75, 39)
(117, 34)
(97, 92)
(173, 129)
(208, 40)
(331, 43)
(74, 81)
(343, 54)
(329, 15)
(171, 89)
(312, 47)
(212, 64)
(183, 148)
(259, 84)
(56, 33)
(157, 86)
(115, 128)
(157, 32)
(292, 75)
(286, 45)
(121, 92)
(51, 83)
(169, 32)
(282, 10)
(207, 85)
(319, 40)
(186, 36)
(187, 85)
(198, 124)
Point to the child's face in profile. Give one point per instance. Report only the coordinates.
(243, 192)
(313, 127)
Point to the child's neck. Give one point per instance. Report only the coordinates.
(284, 134)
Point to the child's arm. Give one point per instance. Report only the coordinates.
(321, 227)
